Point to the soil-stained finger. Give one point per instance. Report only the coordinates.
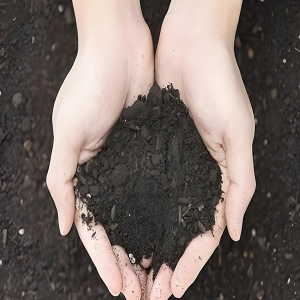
(62, 168)
(146, 262)
(161, 289)
(97, 244)
(131, 286)
(149, 284)
(197, 254)
(239, 159)
(142, 278)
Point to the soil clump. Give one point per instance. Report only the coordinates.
(154, 186)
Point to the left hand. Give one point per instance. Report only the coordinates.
(113, 66)
(200, 63)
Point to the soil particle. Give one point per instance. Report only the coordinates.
(94, 190)
(27, 145)
(4, 231)
(69, 16)
(274, 93)
(154, 186)
(17, 99)
(26, 124)
(119, 175)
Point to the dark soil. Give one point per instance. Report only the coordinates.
(154, 186)
(40, 264)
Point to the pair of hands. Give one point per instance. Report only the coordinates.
(108, 76)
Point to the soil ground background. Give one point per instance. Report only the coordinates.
(37, 48)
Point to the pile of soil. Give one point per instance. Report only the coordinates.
(154, 186)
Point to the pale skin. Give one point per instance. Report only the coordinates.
(114, 64)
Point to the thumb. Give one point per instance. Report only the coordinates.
(238, 145)
(63, 164)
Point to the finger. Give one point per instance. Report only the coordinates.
(149, 284)
(131, 287)
(146, 262)
(238, 145)
(197, 254)
(142, 278)
(161, 288)
(97, 244)
(63, 164)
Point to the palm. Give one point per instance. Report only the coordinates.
(85, 101)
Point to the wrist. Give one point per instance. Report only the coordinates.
(208, 18)
(99, 21)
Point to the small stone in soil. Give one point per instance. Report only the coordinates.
(17, 100)
(75, 181)
(4, 231)
(26, 124)
(200, 207)
(181, 241)
(27, 145)
(113, 226)
(113, 213)
(60, 8)
(69, 16)
(201, 226)
(131, 258)
(182, 222)
(119, 175)
(183, 200)
(94, 190)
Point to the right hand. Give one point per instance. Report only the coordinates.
(108, 75)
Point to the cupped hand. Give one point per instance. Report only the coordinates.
(108, 74)
(201, 64)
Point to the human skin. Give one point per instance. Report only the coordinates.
(113, 66)
(196, 53)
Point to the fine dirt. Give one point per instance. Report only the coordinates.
(38, 45)
(154, 186)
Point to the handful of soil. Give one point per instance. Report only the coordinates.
(154, 186)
